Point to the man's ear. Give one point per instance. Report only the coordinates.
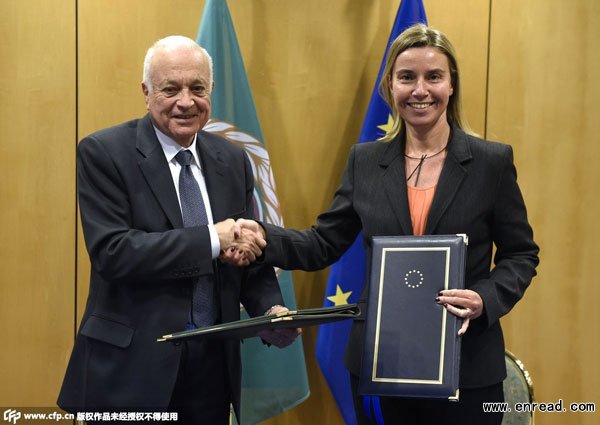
(146, 93)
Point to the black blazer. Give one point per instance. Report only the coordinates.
(144, 263)
(477, 194)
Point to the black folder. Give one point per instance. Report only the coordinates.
(248, 328)
(411, 345)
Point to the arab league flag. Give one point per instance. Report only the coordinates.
(274, 380)
(346, 277)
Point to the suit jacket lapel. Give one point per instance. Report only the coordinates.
(215, 172)
(156, 170)
(394, 182)
(451, 177)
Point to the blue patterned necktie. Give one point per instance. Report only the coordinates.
(194, 214)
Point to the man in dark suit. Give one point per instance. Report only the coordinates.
(155, 225)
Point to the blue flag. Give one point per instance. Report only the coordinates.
(346, 277)
(273, 380)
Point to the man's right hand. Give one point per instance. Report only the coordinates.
(240, 245)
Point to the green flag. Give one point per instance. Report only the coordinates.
(274, 380)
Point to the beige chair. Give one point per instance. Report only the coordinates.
(518, 388)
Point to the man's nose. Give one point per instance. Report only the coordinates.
(185, 99)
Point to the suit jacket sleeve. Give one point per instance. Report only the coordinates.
(119, 246)
(323, 243)
(516, 252)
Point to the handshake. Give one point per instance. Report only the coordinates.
(242, 241)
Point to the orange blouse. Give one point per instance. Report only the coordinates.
(419, 203)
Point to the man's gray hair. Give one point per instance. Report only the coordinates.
(170, 43)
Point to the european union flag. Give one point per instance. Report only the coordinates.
(273, 380)
(347, 276)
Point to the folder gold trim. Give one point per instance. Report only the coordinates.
(374, 376)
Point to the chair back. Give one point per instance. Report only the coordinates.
(518, 388)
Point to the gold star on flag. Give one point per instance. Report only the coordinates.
(387, 126)
(340, 297)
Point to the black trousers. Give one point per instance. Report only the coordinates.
(201, 394)
(467, 411)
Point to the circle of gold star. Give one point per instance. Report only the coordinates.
(411, 282)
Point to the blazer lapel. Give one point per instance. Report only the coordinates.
(156, 170)
(394, 182)
(215, 172)
(451, 177)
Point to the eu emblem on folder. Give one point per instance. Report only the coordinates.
(411, 343)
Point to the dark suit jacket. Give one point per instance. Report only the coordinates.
(477, 194)
(144, 264)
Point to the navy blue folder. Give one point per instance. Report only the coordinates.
(411, 344)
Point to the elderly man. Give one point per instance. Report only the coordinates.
(158, 197)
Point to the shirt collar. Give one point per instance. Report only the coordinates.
(171, 148)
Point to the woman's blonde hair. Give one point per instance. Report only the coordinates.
(421, 35)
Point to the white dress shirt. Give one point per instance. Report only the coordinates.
(171, 148)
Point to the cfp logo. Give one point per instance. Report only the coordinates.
(11, 415)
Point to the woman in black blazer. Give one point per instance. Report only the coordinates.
(430, 175)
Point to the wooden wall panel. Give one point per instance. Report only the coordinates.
(466, 23)
(37, 194)
(543, 99)
(312, 66)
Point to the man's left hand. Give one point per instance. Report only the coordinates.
(281, 337)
